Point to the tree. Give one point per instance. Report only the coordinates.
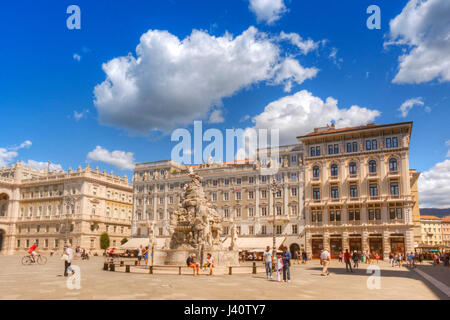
(123, 241)
(104, 241)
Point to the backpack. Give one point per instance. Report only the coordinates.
(188, 261)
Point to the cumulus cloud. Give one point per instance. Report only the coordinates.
(41, 165)
(423, 30)
(295, 39)
(76, 57)
(172, 82)
(267, 11)
(7, 155)
(120, 159)
(79, 115)
(409, 104)
(301, 112)
(434, 186)
(216, 116)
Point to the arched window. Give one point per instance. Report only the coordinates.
(352, 168)
(334, 170)
(393, 164)
(316, 171)
(372, 166)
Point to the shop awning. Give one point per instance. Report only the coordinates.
(134, 243)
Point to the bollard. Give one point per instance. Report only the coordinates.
(135, 263)
(121, 263)
(105, 266)
(179, 270)
(254, 267)
(151, 270)
(230, 272)
(127, 268)
(112, 267)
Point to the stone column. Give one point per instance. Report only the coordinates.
(308, 243)
(326, 240)
(345, 241)
(365, 240)
(386, 244)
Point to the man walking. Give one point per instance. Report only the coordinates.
(68, 251)
(347, 261)
(267, 259)
(325, 262)
(286, 264)
(355, 259)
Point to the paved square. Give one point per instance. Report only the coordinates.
(46, 282)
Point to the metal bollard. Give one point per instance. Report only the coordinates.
(179, 270)
(254, 267)
(151, 270)
(105, 266)
(127, 268)
(112, 267)
(230, 270)
(121, 263)
(135, 263)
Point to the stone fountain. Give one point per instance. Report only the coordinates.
(195, 228)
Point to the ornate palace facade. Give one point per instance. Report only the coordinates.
(237, 190)
(358, 193)
(54, 207)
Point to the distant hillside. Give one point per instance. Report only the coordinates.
(435, 212)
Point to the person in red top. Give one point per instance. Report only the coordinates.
(347, 261)
(33, 250)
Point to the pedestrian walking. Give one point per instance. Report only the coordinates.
(67, 257)
(286, 265)
(325, 259)
(355, 258)
(267, 259)
(341, 254)
(146, 255)
(348, 264)
(139, 256)
(279, 267)
(304, 257)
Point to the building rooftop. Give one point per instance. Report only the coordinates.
(332, 129)
(429, 218)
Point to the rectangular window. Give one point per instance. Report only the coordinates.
(214, 196)
(351, 215)
(293, 160)
(238, 181)
(264, 211)
(226, 212)
(394, 142)
(251, 230)
(313, 152)
(238, 195)
(316, 193)
(278, 211)
(334, 192)
(330, 149)
(250, 194)
(294, 229)
(371, 214)
(317, 151)
(392, 213)
(399, 213)
(336, 149)
(279, 229)
(338, 215)
(238, 212)
(294, 192)
(263, 194)
(331, 215)
(251, 180)
(373, 190)
(355, 147)
(349, 147)
(377, 214)
(353, 191)
(251, 212)
(226, 196)
(357, 215)
(394, 188)
(374, 144)
(388, 143)
(263, 179)
(263, 230)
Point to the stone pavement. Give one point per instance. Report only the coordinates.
(46, 282)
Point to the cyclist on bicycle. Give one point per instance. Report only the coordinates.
(33, 251)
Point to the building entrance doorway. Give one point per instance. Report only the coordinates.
(376, 246)
(398, 245)
(355, 244)
(336, 247)
(317, 247)
(294, 249)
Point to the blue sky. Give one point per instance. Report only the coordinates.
(43, 82)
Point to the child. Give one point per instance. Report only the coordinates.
(279, 268)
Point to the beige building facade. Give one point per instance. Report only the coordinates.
(432, 235)
(358, 189)
(55, 207)
(237, 190)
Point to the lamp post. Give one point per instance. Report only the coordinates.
(274, 186)
(69, 202)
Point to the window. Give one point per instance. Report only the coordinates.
(226, 196)
(352, 168)
(226, 213)
(294, 210)
(353, 215)
(334, 170)
(161, 215)
(372, 166)
(279, 229)
(374, 144)
(317, 151)
(313, 152)
(373, 190)
(374, 214)
(263, 179)
(316, 216)
(353, 191)
(160, 231)
(330, 149)
(334, 192)
(263, 194)
(394, 188)
(294, 192)
(238, 181)
(316, 171)
(264, 211)
(336, 149)
(394, 142)
(250, 194)
(238, 195)
(278, 194)
(294, 229)
(388, 143)
(251, 180)
(214, 196)
(293, 176)
(279, 212)
(316, 193)
(263, 229)
(349, 147)
(355, 146)
(171, 199)
(251, 230)
(214, 183)
(393, 164)
(251, 212)
(368, 145)
(293, 159)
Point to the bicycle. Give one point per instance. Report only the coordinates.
(27, 260)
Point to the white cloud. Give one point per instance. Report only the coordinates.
(7, 155)
(77, 57)
(172, 82)
(434, 186)
(301, 112)
(216, 116)
(424, 28)
(79, 115)
(41, 165)
(334, 58)
(120, 159)
(245, 118)
(304, 45)
(409, 104)
(267, 11)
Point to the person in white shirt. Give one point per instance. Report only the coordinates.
(325, 259)
(68, 251)
(268, 257)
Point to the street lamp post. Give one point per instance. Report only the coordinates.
(274, 186)
(69, 202)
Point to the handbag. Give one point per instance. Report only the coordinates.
(65, 257)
